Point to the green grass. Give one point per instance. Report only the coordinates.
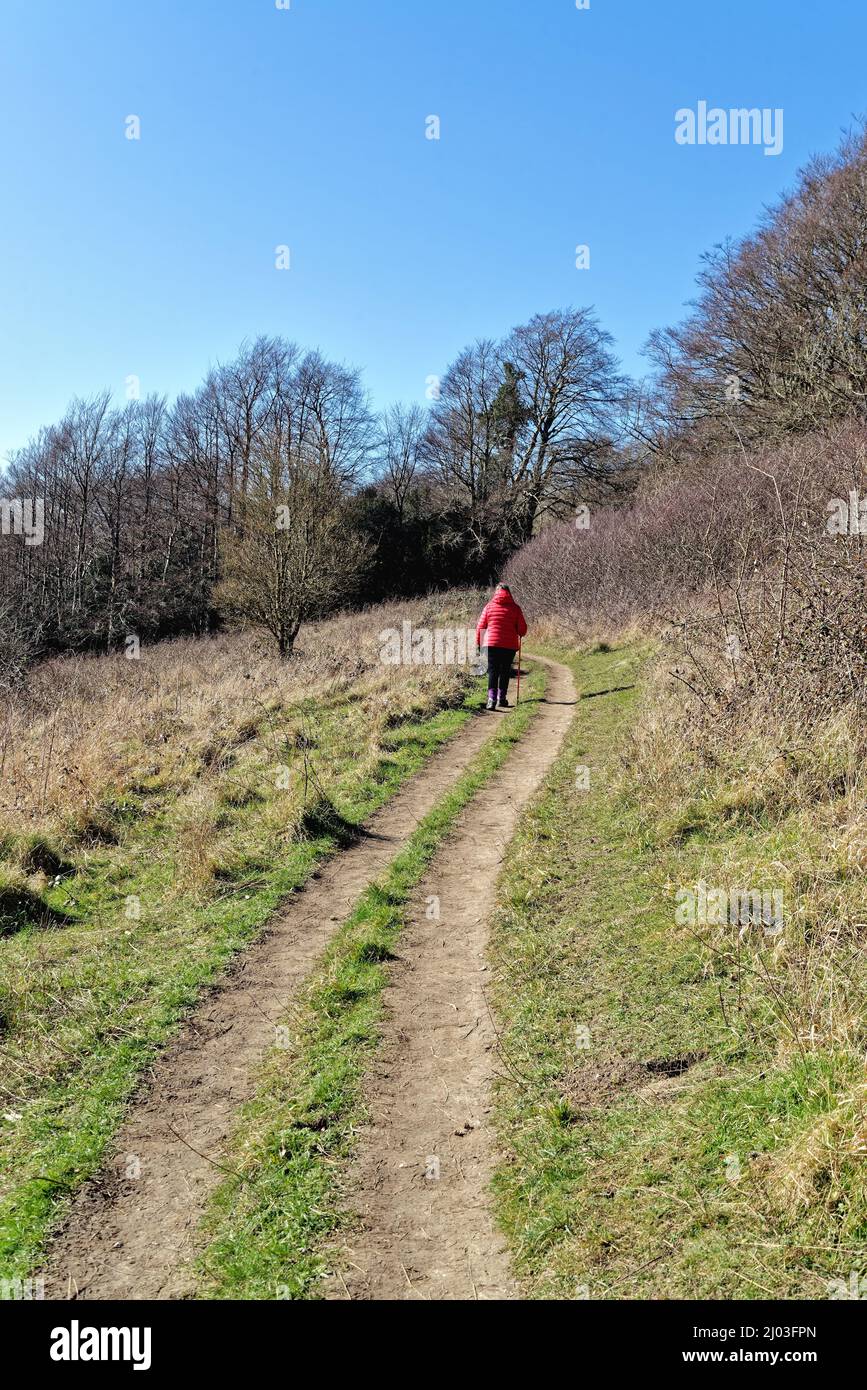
(734, 1177)
(268, 1227)
(85, 1007)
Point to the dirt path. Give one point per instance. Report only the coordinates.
(133, 1237)
(420, 1180)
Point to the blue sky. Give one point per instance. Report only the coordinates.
(306, 127)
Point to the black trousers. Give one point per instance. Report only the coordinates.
(500, 668)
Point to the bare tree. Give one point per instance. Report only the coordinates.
(288, 555)
(521, 424)
(293, 560)
(571, 391)
(401, 451)
(777, 339)
(461, 445)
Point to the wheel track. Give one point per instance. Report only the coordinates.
(420, 1181)
(135, 1238)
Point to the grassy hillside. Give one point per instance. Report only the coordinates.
(152, 814)
(683, 1110)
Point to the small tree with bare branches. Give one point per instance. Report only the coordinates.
(293, 559)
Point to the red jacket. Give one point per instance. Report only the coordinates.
(503, 621)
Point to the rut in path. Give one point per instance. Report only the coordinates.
(420, 1180)
(134, 1238)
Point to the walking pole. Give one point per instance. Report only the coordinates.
(518, 697)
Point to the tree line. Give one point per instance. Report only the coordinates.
(273, 493)
(775, 344)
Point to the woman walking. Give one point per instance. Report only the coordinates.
(505, 625)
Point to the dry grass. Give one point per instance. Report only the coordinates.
(629, 1189)
(89, 732)
(153, 814)
(781, 805)
(594, 631)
